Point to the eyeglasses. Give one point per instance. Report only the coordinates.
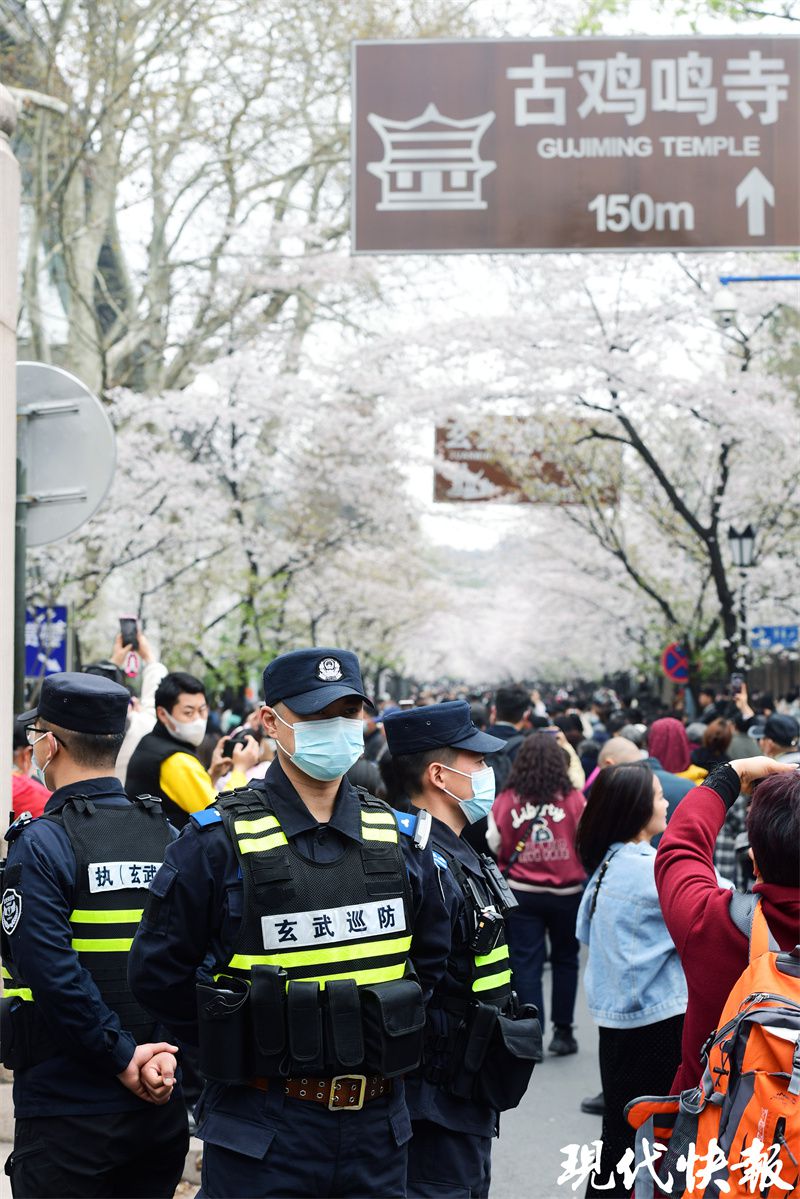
(33, 735)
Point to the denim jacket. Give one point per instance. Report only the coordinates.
(633, 975)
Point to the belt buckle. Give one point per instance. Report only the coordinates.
(333, 1106)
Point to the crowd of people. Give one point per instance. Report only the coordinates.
(500, 831)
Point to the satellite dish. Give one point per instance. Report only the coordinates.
(66, 448)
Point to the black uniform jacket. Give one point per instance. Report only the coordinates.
(96, 1048)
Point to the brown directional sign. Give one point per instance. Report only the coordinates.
(467, 469)
(500, 461)
(576, 144)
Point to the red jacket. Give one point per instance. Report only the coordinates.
(712, 950)
(27, 795)
(548, 861)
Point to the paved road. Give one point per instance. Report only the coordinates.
(527, 1158)
(5, 1185)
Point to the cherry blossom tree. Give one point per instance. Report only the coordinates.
(660, 426)
(274, 400)
(185, 172)
(248, 514)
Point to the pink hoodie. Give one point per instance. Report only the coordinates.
(668, 742)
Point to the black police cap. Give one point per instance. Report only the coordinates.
(84, 703)
(307, 680)
(435, 727)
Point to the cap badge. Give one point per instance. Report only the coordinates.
(329, 670)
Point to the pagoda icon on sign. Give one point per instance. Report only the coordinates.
(472, 485)
(431, 162)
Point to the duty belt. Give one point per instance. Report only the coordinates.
(345, 1092)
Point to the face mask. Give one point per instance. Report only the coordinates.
(483, 789)
(38, 771)
(325, 749)
(190, 731)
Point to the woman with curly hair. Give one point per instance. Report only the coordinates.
(532, 829)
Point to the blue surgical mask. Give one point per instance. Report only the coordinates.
(325, 749)
(483, 791)
(38, 771)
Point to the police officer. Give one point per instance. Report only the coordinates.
(325, 930)
(90, 1072)
(468, 1072)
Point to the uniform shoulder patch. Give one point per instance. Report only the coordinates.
(406, 822)
(12, 910)
(206, 817)
(440, 859)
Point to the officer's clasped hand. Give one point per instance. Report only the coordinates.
(158, 1077)
(150, 1074)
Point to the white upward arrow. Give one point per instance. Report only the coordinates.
(756, 192)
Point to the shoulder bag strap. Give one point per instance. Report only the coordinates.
(600, 878)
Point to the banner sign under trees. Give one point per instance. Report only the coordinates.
(506, 460)
(576, 143)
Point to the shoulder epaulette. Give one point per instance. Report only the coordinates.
(206, 817)
(416, 825)
(440, 859)
(22, 822)
(406, 822)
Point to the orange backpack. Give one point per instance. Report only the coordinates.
(741, 1125)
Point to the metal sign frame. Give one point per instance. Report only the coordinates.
(79, 455)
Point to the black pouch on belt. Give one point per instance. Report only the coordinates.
(344, 1037)
(268, 1019)
(394, 1020)
(497, 1056)
(14, 1039)
(514, 1049)
(223, 1023)
(480, 1024)
(304, 1024)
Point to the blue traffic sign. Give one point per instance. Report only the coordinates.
(45, 641)
(768, 636)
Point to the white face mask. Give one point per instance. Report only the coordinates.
(190, 731)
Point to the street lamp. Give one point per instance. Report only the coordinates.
(742, 545)
(724, 309)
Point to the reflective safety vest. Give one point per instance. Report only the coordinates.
(319, 922)
(118, 851)
(491, 980)
(479, 1046)
(483, 977)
